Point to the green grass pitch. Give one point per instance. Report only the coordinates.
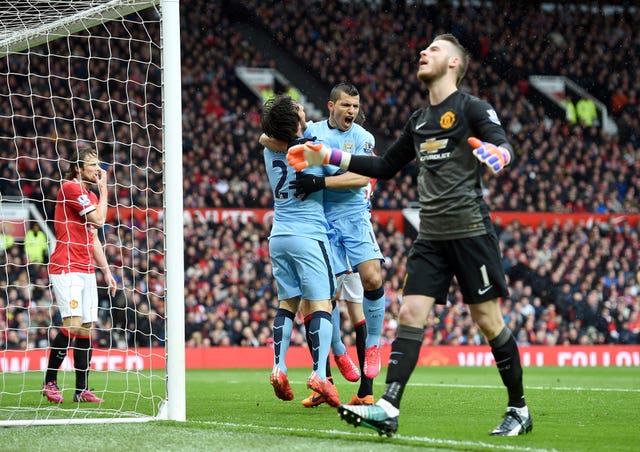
(444, 408)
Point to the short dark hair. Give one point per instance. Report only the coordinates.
(77, 160)
(343, 87)
(280, 118)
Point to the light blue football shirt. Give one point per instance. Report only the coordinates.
(357, 141)
(291, 215)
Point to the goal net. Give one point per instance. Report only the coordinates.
(104, 74)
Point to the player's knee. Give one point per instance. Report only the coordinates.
(371, 281)
(413, 312)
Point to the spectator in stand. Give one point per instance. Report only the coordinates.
(36, 245)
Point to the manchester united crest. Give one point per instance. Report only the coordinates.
(447, 120)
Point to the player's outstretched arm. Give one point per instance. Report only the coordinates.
(308, 154)
(495, 157)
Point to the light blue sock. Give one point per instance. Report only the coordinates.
(321, 331)
(282, 328)
(337, 346)
(374, 306)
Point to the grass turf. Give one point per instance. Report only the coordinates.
(444, 408)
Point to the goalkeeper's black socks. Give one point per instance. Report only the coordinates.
(81, 357)
(57, 354)
(405, 351)
(507, 357)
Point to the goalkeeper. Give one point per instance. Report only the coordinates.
(453, 139)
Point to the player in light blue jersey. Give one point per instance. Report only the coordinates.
(300, 255)
(346, 205)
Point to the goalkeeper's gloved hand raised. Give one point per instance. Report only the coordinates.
(301, 156)
(305, 184)
(495, 157)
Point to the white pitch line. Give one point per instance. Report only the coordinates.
(540, 388)
(536, 388)
(419, 439)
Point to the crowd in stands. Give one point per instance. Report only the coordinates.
(573, 283)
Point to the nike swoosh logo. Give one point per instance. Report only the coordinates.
(421, 124)
(484, 291)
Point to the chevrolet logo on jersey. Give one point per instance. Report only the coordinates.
(429, 149)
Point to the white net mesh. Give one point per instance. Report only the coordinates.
(75, 73)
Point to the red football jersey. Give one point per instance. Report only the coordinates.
(74, 236)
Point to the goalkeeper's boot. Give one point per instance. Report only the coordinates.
(87, 396)
(370, 416)
(280, 384)
(325, 388)
(51, 391)
(347, 367)
(516, 422)
(372, 361)
(314, 399)
(366, 400)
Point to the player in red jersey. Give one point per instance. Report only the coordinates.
(78, 214)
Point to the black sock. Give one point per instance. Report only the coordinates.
(307, 333)
(57, 354)
(366, 384)
(278, 326)
(505, 352)
(307, 325)
(405, 351)
(81, 358)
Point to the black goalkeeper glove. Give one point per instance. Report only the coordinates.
(305, 184)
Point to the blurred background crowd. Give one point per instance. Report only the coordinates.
(570, 283)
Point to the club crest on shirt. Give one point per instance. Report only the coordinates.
(348, 146)
(73, 304)
(493, 116)
(447, 120)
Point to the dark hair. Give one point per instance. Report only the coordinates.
(77, 162)
(280, 118)
(464, 54)
(343, 87)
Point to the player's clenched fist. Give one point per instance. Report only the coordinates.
(301, 156)
(495, 157)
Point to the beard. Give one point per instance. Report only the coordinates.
(439, 71)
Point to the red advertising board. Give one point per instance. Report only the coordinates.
(262, 357)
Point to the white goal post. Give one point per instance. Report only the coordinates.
(104, 73)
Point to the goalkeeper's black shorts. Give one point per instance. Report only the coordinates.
(474, 261)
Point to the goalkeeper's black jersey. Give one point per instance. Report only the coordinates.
(449, 183)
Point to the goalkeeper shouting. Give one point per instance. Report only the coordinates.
(453, 139)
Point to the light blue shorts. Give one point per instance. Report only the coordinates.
(352, 238)
(302, 267)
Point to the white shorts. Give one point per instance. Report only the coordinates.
(350, 288)
(76, 295)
